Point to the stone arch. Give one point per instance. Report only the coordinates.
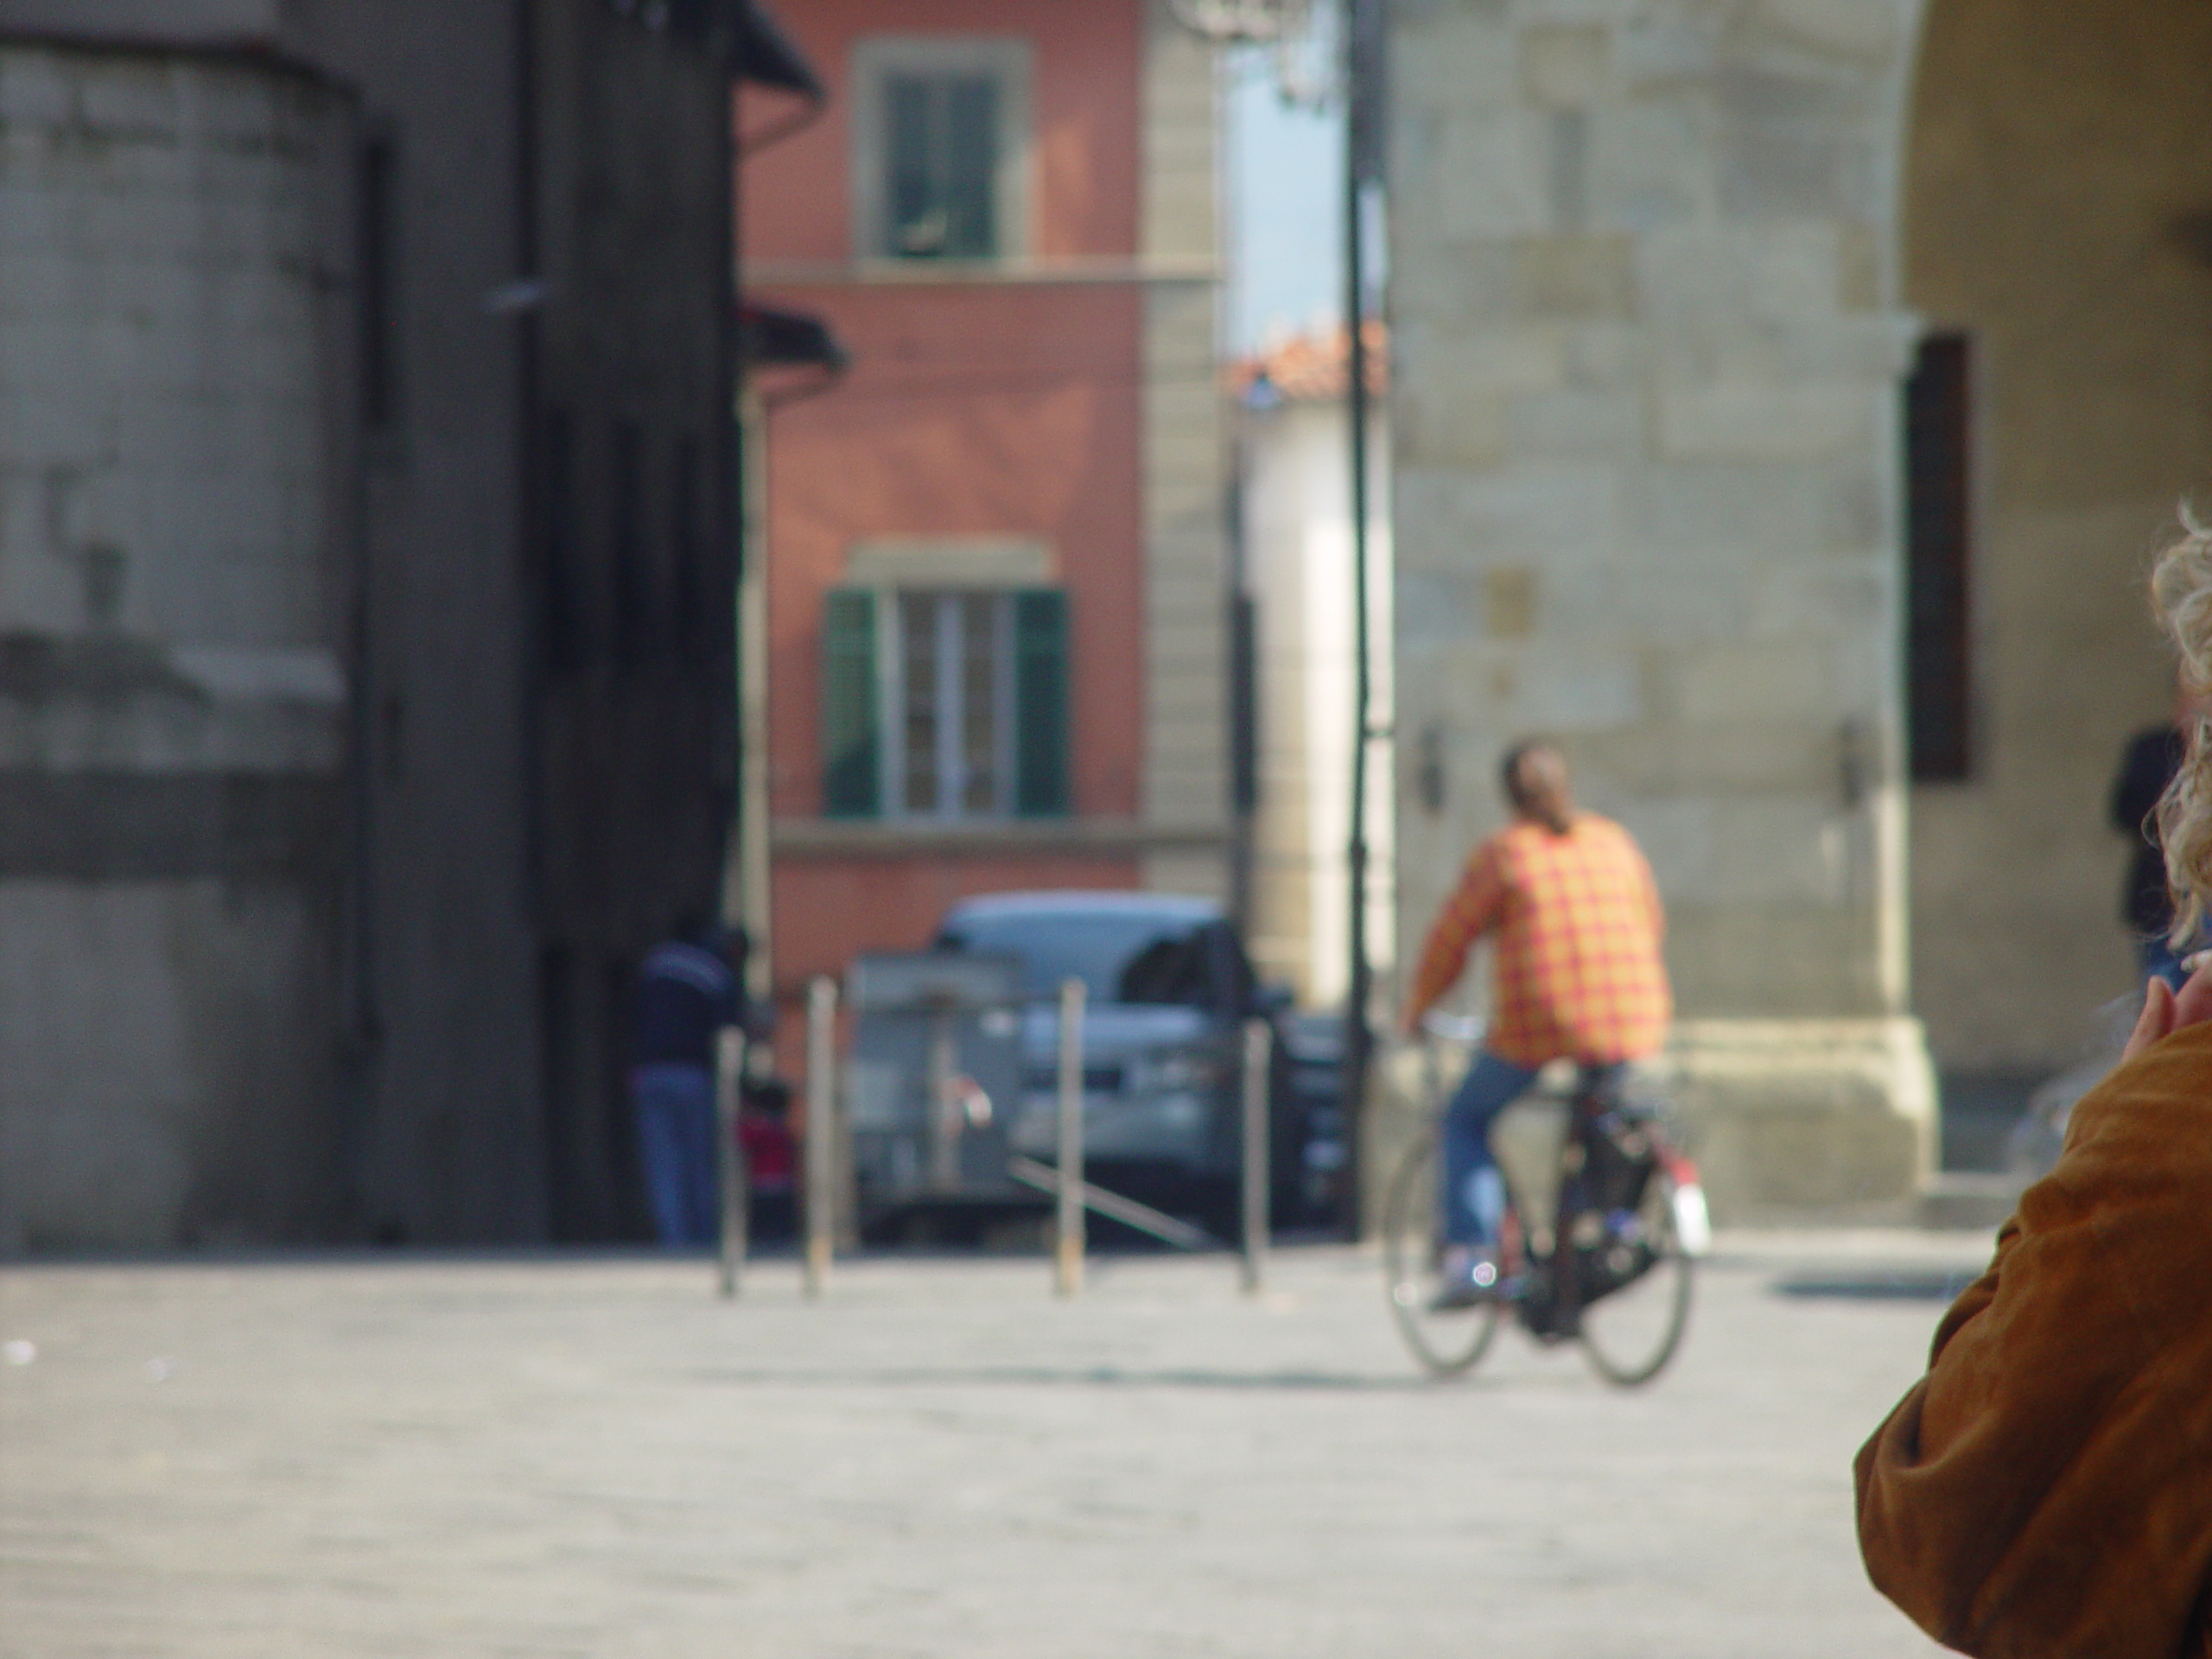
(2055, 212)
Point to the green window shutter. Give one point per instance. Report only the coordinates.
(1041, 737)
(851, 748)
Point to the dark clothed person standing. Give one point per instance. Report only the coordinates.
(687, 992)
(2153, 757)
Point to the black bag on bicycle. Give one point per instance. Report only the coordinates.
(1620, 1159)
(1621, 1162)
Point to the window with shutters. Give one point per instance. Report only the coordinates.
(941, 136)
(945, 703)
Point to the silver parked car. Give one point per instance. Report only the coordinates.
(1168, 987)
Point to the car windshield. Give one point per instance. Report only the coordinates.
(1119, 957)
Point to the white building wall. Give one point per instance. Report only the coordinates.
(1299, 564)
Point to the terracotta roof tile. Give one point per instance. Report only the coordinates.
(1312, 368)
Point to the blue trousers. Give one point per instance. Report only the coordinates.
(675, 1146)
(1474, 1189)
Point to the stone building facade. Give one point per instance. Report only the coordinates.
(1659, 275)
(172, 807)
(2056, 222)
(1648, 344)
(364, 620)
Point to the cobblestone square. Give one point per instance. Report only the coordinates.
(594, 1457)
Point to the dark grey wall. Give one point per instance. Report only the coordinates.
(445, 1031)
(546, 735)
(633, 687)
(407, 935)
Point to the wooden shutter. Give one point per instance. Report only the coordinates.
(851, 745)
(1938, 669)
(1041, 739)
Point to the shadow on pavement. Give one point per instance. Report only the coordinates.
(1097, 1376)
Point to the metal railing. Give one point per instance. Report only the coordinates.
(1073, 1195)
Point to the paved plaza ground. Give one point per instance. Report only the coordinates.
(593, 1457)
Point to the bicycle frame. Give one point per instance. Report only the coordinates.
(1533, 1172)
(1592, 1251)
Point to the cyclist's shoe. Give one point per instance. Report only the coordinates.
(1469, 1277)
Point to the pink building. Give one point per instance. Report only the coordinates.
(993, 599)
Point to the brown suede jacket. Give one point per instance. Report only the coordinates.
(2046, 1489)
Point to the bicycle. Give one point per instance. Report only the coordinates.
(1601, 1173)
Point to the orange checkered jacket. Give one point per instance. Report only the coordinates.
(1576, 929)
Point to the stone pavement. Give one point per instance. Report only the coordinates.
(592, 1456)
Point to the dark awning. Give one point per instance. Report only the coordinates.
(766, 56)
(787, 339)
(751, 44)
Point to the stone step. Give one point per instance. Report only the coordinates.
(1958, 1199)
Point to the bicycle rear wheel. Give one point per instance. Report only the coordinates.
(1631, 1331)
(1448, 1344)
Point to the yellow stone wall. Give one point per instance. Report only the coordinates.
(2057, 156)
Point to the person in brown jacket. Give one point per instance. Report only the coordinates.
(2046, 1489)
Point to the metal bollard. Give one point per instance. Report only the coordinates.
(821, 1130)
(1068, 1241)
(945, 1121)
(1258, 1039)
(736, 1182)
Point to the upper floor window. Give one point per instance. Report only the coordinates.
(941, 131)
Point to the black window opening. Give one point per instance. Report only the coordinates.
(561, 621)
(376, 291)
(628, 557)
(1938, 551)
(687, 579)
(941, 171)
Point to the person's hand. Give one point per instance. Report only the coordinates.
(2166, 1011)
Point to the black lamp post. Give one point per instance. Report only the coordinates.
(1362, 23)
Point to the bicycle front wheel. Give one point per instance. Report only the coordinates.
(1447, 1344)
(1630, 1331)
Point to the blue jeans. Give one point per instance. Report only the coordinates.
(675, 1146)
(1474, 1189)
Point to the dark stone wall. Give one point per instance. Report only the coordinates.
(548, 633)
(393, 904)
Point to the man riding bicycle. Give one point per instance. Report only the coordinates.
(1575, 924)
